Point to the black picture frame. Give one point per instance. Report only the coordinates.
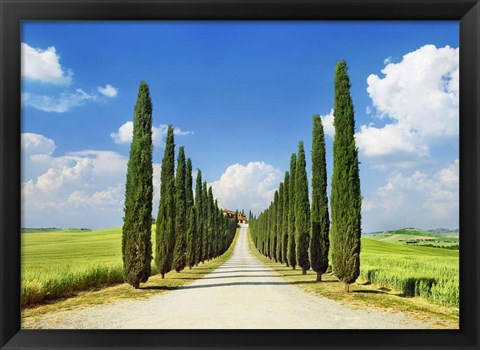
(12, 12)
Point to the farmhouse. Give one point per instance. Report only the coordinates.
(242, 219)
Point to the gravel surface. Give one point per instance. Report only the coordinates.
(243, 293)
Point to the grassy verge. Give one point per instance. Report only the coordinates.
(154, 286)
(365, 295)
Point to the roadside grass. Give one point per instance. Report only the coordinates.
(365, 294)
(103, 293)
(59, 263)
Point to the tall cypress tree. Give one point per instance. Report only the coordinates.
(189, 185)
(216, 229)
(200, 218)
(292, 260)
(205, 222)
(191, 223)
(191, 233)
(345, 197)
(273, 217)
(280, 223)
(320, 221)
(165, 230)
(285, 218)
(137, 222)
(302, 211)
(179, 255)
(211, 223)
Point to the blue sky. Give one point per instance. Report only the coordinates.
(241, 95)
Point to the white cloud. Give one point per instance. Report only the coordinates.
(77, 189)
(37, 144)
(419, 98)
(420, 199)
(247, 187)
(63, 103)
(125, 134)
(327, 121)
(108, 90)
(44, 65)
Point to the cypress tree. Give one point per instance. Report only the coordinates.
(191, 232)
(191, 223)
(345, 197)
(137, 222)
(302, 211)
(165, 230)
(206, 233)
(179, 255)
(280, 223)
(273, 217)
(320, 221)
(286, 189)
(216, 230)
(291, 214)
(189, 185)
(199, 220)
(211, 223)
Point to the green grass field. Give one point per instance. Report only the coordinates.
(431, 273)
(58, 263)
(417, 237)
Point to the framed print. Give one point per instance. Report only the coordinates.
(239, 174)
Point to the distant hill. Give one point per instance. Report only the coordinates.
(413, 236)
(445, 230)
(52, 229)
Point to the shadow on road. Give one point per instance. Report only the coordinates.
(230, 284)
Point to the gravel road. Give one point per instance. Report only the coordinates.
(243, 293)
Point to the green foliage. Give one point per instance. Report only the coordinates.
(191, 254)
(206, 233)
(320, 221)
(292, 260)
(191, 233)
(285, 212)
(345, 197)
(136, 230)
(179, 254)
(274, 227)
(210, 222)
(200, 217)
(189, 185)
(279, 220)
(165, 230)
(302, 211)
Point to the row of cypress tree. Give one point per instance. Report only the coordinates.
(189, 229)
(292, 231)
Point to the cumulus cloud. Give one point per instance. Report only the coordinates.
(44, 65)
(250, 186)
(327, 121)
(417, 199)
(419, 99)
(108, 90)
(79, 189)
(36, 144)
(63, 103)
(125, 134)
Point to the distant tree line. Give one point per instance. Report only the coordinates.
(298, 233)
(189, 229)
